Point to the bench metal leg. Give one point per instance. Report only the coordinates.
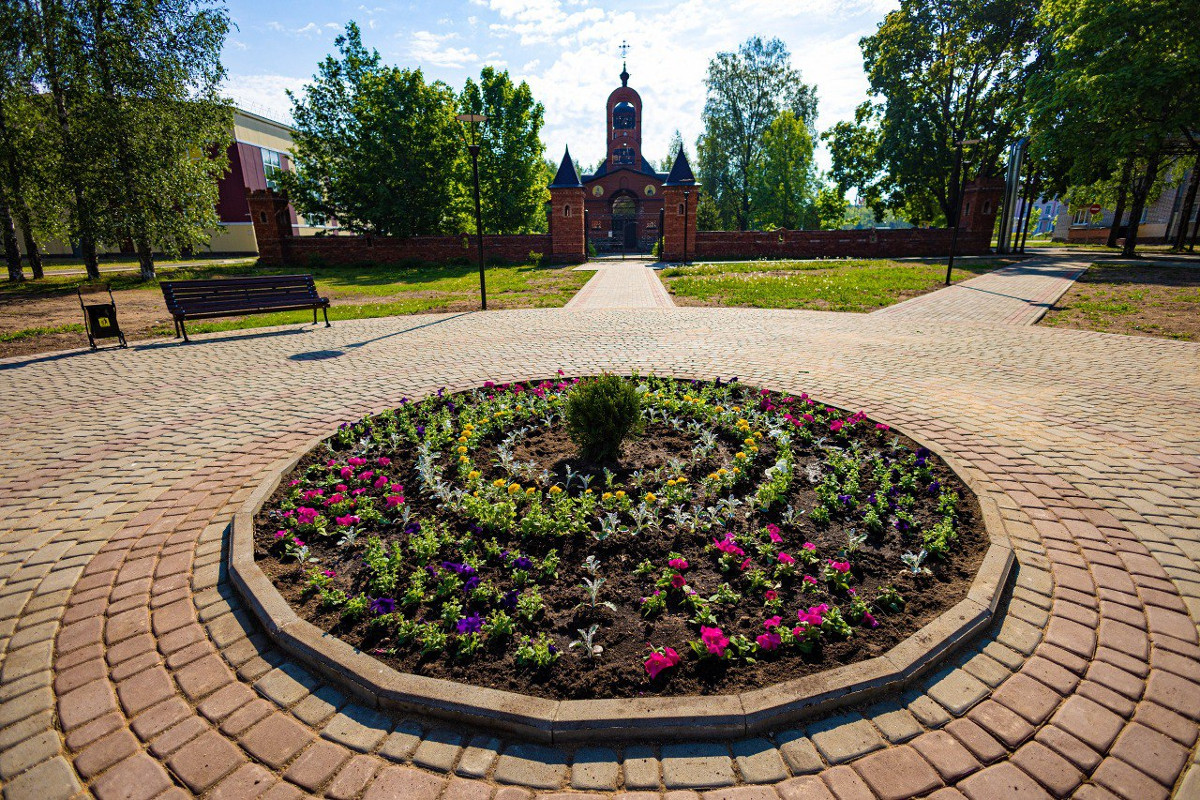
(183, 328)
(314, 315)
(325, 311)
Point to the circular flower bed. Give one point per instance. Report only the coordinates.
(745, 537)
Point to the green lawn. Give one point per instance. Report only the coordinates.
(858, 285)
(44, 314)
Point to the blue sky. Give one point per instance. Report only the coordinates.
(565, 49)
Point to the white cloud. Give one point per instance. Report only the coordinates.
(426, 47)
(265, 95)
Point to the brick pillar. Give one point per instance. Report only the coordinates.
(981, 205)
(676, 222)
(567, 244)
(272, 224)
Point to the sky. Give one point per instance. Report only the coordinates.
(567, 50)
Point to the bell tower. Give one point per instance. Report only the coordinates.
(623, 111)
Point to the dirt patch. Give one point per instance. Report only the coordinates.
(1132, 299)
(623, 629)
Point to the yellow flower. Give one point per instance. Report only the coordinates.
(475, 494)
(758, 434)
(741, 456)
(462, 448)
(464, 460)
(555, 489)
(606, 496)
(650, 498)
(462, 439)
(719, 409)
(712, 476)
(514, 488)
(498, 482)
(587, 491)
(531, 491)
(681, 480)
(671, 482)
(753, 449)
(722, 471)
(737, 409)
(737, 471)
(620, 495)
(473, 474)
(749, 440)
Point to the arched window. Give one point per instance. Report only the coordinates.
(681, 209)
(567, 211)
(624, 207)
(624, 116)
(987, 206)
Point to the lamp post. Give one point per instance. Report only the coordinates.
(686, 194)
(962, 187)
(470, 123)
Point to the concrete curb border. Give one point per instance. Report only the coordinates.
(625, 719)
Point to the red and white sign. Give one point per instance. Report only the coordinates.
(1094, 208)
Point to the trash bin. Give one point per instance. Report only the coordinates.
(100, 319)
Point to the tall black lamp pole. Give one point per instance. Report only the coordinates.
(470, 123)
(962, 188)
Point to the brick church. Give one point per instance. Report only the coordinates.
(623, 198)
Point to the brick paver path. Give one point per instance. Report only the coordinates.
(622, 284)
(130, 669)
(1016, 295)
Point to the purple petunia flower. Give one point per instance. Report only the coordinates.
(470, 583)
(471, 624)
(522, 562)
(509, 601)
(382, 605)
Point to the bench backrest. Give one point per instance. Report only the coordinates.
(256, 291)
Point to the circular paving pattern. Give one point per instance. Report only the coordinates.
(131, 669)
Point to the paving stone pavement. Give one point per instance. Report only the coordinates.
(1019, 294)
(131, 670)
(622, 284)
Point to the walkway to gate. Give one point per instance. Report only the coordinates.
(1017, 295)
(622, 284)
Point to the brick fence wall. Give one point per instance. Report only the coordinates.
(277, 245)
(878, 243)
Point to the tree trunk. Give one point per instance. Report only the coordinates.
(1141, 189)
(31, 249)
(1122, 190)
(12, 253)
(146, 260)
(1195, 233)
(1189, 202)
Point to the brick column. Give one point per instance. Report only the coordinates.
(981, 205)
(567, 244)
(272, 224)
(676, 222)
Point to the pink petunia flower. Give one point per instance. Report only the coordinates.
(381, 482)
(678, 563)
(771, 595)
(768, 641)
(394, 500)
(836, 425)
(346, 472)
(714, 640)
(809, 546)
(809, 579)
(784, 558)
(677, 581)
(656, 662)
(840, 566)
(773, 622)
(383, 461)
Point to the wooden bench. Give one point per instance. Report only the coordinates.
(229, 297)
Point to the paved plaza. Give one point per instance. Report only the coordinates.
(131, 670)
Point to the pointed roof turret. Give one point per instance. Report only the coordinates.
(566, 177)
(624, 75)
(681, 172)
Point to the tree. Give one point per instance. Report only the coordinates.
(831, 207)
(511, 175)
(941, 73)
(159, 118)
(747, 90)
(1123, 88)
(376, 147)
(782, 194)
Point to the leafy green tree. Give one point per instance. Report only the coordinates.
(832, 207)
(157, 114)
(673, 148)
(376, 147)
(747, 90)
(511, 155)
(1123, 88)
(782, 195)
(941, 73)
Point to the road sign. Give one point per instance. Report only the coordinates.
(1094, 208)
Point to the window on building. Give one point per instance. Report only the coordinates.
(623, 119)
(272, 167)
(623, 155)
(315, 220)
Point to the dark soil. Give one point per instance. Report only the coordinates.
(624, 633)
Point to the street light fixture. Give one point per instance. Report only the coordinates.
(962, 188)
(470, 125)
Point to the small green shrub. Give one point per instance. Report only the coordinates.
(535, 258)
(601, 413)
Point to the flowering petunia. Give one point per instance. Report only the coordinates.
(357, 461)
(784, 558)
(346, 472)
(382, 605)
(771, 595)
(773, 533)
(383, 461)
(869, 620)
(657, 661)
(773, 622)
(809, 546)
(768, 641)
(728, 546)
(814, 615)
(306, 515)
(677, 581)
(678, 563)
(347, 520)
(328, 573)
(809, 579)
(836, 425)
(380, 482)
(840, 566)
(394, 500)
(714, 640)
(280, 534)
(469, 624)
